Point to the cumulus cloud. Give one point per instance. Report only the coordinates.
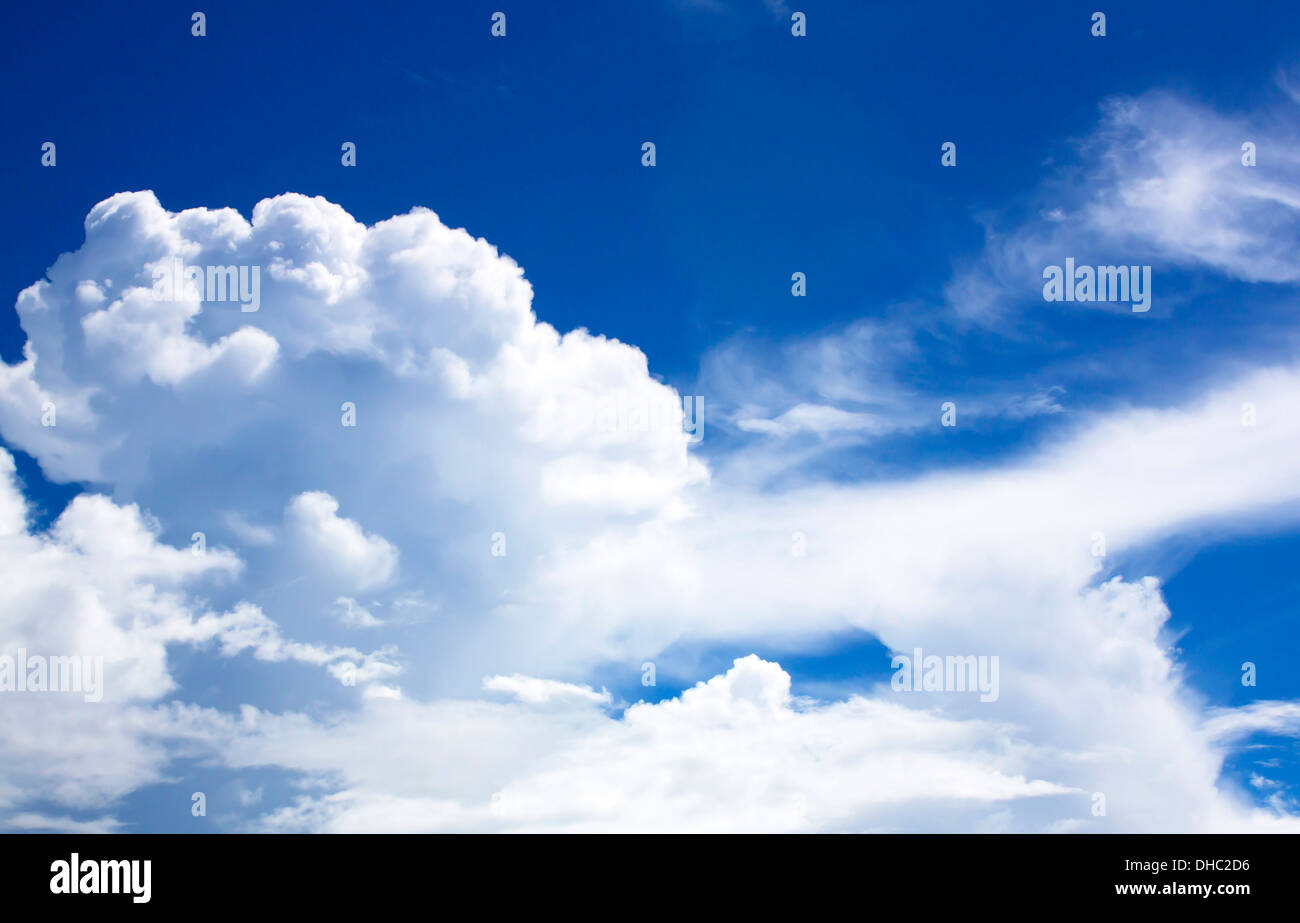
(99, 584)
(733, 753)
(336, 545)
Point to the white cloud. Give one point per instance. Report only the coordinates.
(474, 419)
(534, 691)
(734, 753)
(249, 533)
(840, 389)
(1175, 185)
(1162, 183)
(100, 584)
(814, 418)
(1229, 724)
(336, 546)
(351, 613)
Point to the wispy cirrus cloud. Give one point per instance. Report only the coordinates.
(1161, 180)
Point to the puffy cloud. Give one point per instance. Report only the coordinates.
(338, 546)
(732, 753)
(471, 418)
(99, 584)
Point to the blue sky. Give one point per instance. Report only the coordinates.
(775, 154)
